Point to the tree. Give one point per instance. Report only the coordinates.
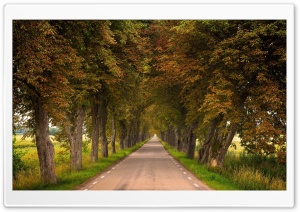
(218, 68)
(42, 60)
(239, 62)
(72, 124)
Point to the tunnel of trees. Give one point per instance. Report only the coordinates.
(183, 80)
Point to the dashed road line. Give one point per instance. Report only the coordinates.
(95, 182)
(189, 178)
(181, 169)
(184, 172)
(102, 176)
(196, 185)
(108, 172)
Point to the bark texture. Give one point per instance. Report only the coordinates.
(103, 122)
(218, 160)
(74, 134)
(191, 141)
(95, 130)
(204, 151)
(44, 145)
(123, 133)
(113, 136)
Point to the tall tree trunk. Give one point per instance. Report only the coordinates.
(123, 133)
(173, 137)
(44, 145)
(95, 130)
(129, 137)
(218, 160)
(113, 136)
(191, 139)
(75, 136)
(177, 139)
(204, 151)
(137, 132)
(103, 122)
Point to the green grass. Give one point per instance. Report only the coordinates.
(66, 180)
(241, 171)
(255, 172)
(212, 179)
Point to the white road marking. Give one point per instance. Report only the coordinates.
(113, 168)
(196, 185)
(189, 178)
(86, 189)
(102, 176)
(108, 172)
(95, 182)
(181, 169)
(184, 172)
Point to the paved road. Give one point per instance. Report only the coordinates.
(149, 168)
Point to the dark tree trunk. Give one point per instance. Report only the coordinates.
(123, 133)
(177, 139)
(44, 145)
(191, 141)
(95, 130)
(219, 159)
(129, 137)
(144, 135)
(135, 132)
(204, 151)
(173, 137)
(103, 122)
(75, 136)
(113, 137)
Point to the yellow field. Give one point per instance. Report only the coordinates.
(30, 177)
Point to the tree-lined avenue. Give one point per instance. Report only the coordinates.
(148, 168)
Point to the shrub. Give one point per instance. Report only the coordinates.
(18, 164)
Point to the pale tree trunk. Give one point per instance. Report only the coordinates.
(103, 122)
(95, 130)
(74, 134)
(113, 137)
(44, 145)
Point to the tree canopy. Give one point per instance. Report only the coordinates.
(182, 79)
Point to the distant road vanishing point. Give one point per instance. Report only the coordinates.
(149, 168)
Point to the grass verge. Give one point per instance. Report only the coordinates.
(68, 180)
(212, 179)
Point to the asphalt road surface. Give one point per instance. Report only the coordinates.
(149, 168)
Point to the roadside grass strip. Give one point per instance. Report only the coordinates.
(213, 180)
